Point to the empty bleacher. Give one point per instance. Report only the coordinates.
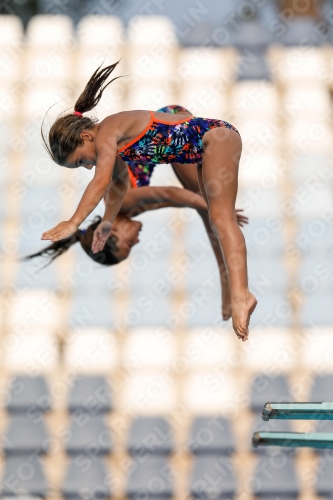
(124, 382)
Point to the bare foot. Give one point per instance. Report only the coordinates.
(226, 302)
(242, 308)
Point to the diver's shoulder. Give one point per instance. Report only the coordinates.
(124, 116)
(122, 123)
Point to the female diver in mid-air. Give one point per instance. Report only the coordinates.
(144, 137)
(125, 230)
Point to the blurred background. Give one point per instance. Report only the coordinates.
(124, 381)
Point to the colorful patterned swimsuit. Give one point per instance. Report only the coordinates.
(163, 142)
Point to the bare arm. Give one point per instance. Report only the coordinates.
(114, 198)
(117, 191)
(106, 148)
(137, 201)
(151, 197)
(103, 180)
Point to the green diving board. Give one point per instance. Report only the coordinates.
(298, 411)
(322, 440)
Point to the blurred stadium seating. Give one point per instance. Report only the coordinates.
(124, 382)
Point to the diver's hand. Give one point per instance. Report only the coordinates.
(101, 234)
(241, 219)
(63, 230)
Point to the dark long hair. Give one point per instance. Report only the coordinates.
(106, 257)
(64, 135)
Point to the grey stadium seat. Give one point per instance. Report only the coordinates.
(29, 239)
(324, 485)
(252, 65)
(316, 310)
(316, 275)
(147, 308)
(202, 272)
(252, 35)
(24, 476)
(88, 434)
(28, 394)
(43, 201)
(275, 477)
(211, 435)
(86, 479)
(308, 163)
(304, 31)
(89, 277)
(264, 237)
(272, 310)
(36, 217)
(91, 310)
(150, 479)
(30, 274)
(313, 238)
(266, 389)
(151, 271)
(267, 275)
(327, 454)
(198, 35)
(150, 436)
(212, 478)
(25, 435)
(322, 388)
(5, 172)
(90, 394)
(203, 311)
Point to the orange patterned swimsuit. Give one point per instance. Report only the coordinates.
(163, 142)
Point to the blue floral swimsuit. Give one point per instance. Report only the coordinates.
(163, 142)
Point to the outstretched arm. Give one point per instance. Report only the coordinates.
(147, 198)
(106, 156)
(141, 200)
(114, 198)
(117, 191)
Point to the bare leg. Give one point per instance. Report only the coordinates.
(226, 296)
(191, 178)
(222, 150)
